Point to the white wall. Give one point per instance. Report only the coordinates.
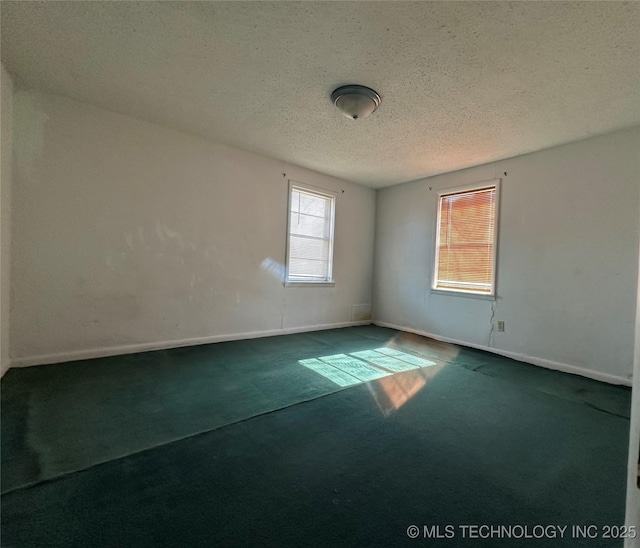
(127, 233)
(6, 139)
(567, 263)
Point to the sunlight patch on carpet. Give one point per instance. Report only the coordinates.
(353, 366)
(364, 366)
(390, 363)
(336, 375)
(409, 358)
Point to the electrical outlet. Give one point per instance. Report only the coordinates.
(500, 326)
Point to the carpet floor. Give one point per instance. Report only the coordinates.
(237, 444)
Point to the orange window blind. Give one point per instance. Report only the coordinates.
(466, 240)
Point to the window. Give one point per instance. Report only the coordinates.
(310, 242)
(466, 233)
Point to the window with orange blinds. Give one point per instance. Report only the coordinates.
(466, 240)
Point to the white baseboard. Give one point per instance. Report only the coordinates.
(548, 364)
(45, 359)
(75, 355)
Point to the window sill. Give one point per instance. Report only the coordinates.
(467, 294)
(297, 283)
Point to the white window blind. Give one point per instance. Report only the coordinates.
(310, 249)
(466, 241)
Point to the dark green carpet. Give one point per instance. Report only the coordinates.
(487, 441)
(466, 449)
(62, 418)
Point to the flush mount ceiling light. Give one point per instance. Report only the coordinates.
(356, 102)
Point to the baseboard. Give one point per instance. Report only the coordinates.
(4, 368)
(76, 355)
(548, 364)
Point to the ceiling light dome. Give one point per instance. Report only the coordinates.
(356, 102)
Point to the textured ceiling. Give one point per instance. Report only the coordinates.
(463, 83)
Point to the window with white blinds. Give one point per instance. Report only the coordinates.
(310, 244)
(466, 232)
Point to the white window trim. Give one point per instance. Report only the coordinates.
(299, 283)
(311, 282)
(434, 277)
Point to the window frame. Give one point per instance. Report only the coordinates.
(434, 271)
(322, 193)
